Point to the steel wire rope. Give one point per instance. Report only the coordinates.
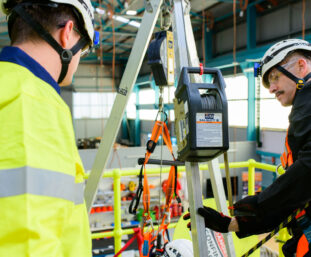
(111, 17)
(203, 36)
(234, 36)
(161, 153)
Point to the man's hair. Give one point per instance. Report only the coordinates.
(50, 18)
(303, 53)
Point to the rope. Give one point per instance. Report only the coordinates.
(101, 36)
(203, 36)
(268, 237)
(234, 35)
(303, 18)
(259, 143)
(111, 13)
(243, 7)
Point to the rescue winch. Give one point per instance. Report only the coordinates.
(201, 116)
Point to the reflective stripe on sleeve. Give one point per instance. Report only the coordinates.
(28, 180)
(79, 193)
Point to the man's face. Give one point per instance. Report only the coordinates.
(281, 86)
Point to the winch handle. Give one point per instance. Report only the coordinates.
(205, 70)
(212, 71)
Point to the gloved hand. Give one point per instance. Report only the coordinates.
(213, 219)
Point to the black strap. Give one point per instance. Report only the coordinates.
(19, 9)
(65, 54)
(300, 83)
(135, 201)
(306, 78)
(175, 188)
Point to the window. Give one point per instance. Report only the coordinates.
(131, 107)
(92, 105)
(237, 96)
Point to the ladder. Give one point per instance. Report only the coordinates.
(184, 43)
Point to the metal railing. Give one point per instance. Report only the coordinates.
(116, 174)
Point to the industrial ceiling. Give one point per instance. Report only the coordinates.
(119, 20)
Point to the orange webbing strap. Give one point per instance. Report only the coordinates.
(148, 243)
(167, 139)
(287, 156)
(302, 247)
(159, 128)
(170, 186)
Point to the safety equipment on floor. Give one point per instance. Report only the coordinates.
(179, 248)
(214, 220)
(82, 8)
(201, 116)
(276, 54)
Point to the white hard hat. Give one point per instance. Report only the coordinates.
(84, 7)
(179, 248)
(277, 53)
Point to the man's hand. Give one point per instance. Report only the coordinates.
(213, 219)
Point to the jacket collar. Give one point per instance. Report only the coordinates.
(18, 56)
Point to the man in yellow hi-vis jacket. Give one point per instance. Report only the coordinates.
(42, 210)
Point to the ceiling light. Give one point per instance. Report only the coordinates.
(131, 12)
(100, 11)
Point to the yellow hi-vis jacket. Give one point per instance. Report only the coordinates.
(42, 210)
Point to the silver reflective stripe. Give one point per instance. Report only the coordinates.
(79, 193)
(28, 180)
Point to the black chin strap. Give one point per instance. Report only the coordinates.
(300, 83)
(65, 54)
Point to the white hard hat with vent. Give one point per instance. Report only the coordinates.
(84, 7)
(179, 248)
(277, 53)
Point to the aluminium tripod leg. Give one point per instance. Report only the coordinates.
(220, 198)
(183, 34)
(128, 80)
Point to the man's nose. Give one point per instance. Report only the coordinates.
(273, 87)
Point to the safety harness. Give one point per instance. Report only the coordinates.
(300, 215)
(303, 219)
(287, 156)
(152, 245)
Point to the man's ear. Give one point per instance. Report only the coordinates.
(65, 34)
(303, 67)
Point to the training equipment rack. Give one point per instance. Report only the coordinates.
(184, 43)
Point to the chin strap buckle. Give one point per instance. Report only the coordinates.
(300, 84)
(66, 56)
